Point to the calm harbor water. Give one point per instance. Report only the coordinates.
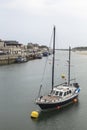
(19, 85)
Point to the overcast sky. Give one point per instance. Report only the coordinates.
(33, 20)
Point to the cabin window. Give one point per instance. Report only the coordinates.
(65, 94)
(60, 94)
(56, 93)
(69, 91)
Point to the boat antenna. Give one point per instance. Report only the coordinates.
(53, 61)
(69, 65)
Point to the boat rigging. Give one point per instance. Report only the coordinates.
(60, 95)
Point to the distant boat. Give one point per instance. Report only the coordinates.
(2, 53)
(60, 95)
(39, 56)
(45, 53)
(21, 59)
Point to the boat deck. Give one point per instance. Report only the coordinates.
(50, 98)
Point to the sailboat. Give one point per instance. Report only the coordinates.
(59, 95)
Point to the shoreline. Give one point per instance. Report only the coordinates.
(81, 52)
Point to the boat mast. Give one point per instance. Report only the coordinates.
(69, 66)
(53, 57)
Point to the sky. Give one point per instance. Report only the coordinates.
(33, 20)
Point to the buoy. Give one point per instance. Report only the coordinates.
(63, 76)
(75, 100)
(34, 114)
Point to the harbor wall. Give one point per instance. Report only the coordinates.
(7, 59)
(10, 59)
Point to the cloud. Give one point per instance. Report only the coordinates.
(32, 16)
(30, 6)
(76, 7)
(48, 7)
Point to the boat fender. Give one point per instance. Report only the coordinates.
(58, 107)
(75, 100)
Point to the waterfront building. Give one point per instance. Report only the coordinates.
(12, 47)
(1, 44)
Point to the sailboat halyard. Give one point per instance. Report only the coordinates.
(62, 94)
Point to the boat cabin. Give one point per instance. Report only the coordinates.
(61, 92)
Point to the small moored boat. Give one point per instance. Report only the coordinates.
(21, 59)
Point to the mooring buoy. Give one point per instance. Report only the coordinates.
(34, 114)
